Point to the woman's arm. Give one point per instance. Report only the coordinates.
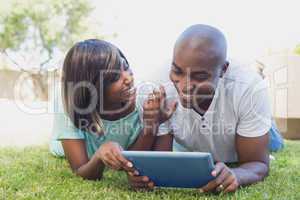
(163, 143)
(155, 112)
(109, 154)
(75, 152)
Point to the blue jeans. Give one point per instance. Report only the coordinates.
(275, 140)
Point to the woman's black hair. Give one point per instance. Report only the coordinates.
(89, 67)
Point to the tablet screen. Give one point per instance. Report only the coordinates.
(173, 169)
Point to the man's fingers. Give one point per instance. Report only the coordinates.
(221, 178)
(227, 182)
(209, 187)
(232, 187)
(218, 168)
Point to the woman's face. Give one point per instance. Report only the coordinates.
(122, 91)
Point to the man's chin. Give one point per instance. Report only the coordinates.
(186, 104)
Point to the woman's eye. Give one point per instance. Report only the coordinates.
(115, 76)
(126, 67)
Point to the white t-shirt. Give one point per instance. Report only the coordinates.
(240, 106)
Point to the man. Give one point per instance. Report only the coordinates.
(224, 109)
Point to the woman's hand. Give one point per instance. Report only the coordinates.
(151, 112)
(110, 154)
(166, 110)
(225, 181)
(139, 182)
(156, 109)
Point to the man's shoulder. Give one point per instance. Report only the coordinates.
(241, 81)
(240, 78)
(241, 74)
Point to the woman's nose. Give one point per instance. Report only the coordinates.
(128, 78)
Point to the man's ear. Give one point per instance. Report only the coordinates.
(224, 68)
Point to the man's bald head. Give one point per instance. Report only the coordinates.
(199, 60)
(205, 42)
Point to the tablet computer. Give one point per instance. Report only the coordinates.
(173, 169)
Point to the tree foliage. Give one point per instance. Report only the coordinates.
(34, 34)
(297, 49)
(42, 27)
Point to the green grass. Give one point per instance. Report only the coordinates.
(32, 173)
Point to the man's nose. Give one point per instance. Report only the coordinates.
(188, 88)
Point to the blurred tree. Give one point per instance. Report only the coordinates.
(297, 49)
(34, 32)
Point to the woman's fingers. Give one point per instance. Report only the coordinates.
(163, 97)
(125, 164)
(149, 185)
(112, 161)
(171, 109)
(157, 97)
(140, 182)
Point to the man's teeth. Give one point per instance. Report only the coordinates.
(186, 96)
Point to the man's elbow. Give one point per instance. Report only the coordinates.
(264, 172)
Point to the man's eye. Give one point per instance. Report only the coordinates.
(200, 77)
(176, 71)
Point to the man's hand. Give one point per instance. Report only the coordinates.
(110, 154)
(225, 181)
(139, 182)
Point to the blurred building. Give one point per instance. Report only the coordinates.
(282, 70)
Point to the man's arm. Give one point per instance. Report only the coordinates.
(253, 158)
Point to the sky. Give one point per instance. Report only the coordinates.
(147, 30)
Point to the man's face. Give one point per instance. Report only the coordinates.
(195, 77)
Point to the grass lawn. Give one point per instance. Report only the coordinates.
(32, 173)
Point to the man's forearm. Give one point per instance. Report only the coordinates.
(252, 172)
